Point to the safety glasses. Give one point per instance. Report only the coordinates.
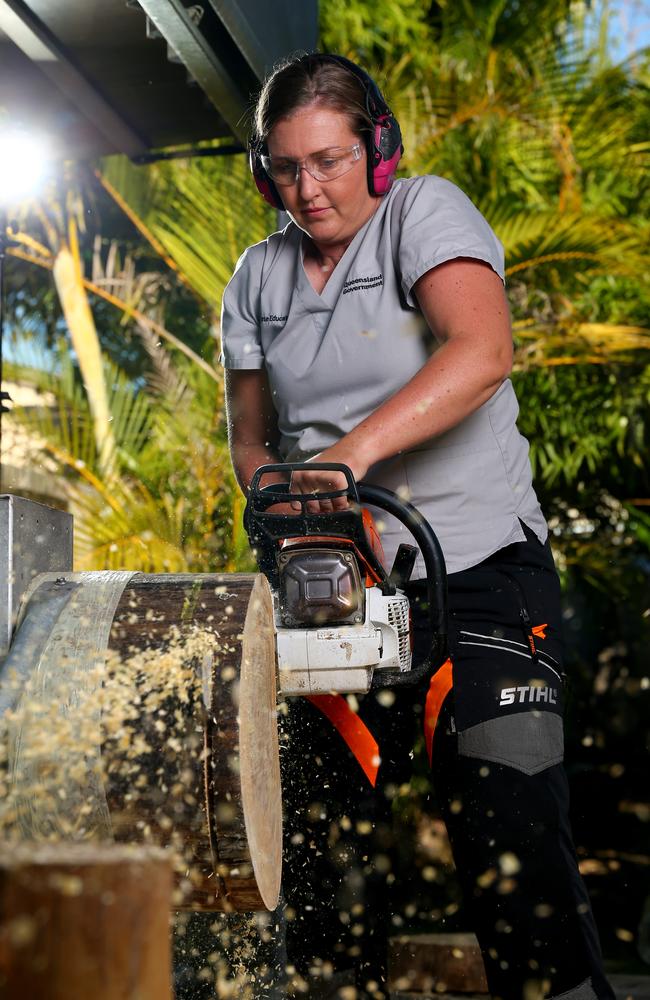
(326, 165)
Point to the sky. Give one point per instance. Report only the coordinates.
(630, 26)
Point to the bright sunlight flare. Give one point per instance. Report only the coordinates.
(23, 159)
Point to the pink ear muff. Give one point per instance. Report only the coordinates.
(386, 154)
(384, 144)
(263, 182)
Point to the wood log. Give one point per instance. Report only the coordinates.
(157, 695)
(85, 922)
(436, 964)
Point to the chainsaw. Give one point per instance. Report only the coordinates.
(343, 623)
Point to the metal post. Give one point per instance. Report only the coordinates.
(5, 243)
(34, 539)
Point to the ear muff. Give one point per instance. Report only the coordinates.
(383, 145)
(263, 182)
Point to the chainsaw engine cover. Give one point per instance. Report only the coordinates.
(319, 586)
(344, 658)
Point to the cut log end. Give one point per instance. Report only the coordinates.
(157, 696)
(259, 752)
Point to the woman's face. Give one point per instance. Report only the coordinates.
(331, 212)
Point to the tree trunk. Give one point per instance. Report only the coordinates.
(144, 710)
(85, 342)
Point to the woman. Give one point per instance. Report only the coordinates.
(374, 331)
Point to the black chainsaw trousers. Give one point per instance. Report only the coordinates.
(493, 722)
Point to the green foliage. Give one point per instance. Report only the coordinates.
(588, 422)
(167, 505)
(202, 212)
(371, 33)
(613, 298)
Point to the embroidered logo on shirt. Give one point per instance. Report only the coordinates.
(363, 284)
(272, 318)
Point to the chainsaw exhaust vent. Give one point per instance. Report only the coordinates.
(398, 618)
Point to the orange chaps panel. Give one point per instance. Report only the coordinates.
(358, 737)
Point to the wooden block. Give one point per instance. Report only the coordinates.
(436, 963)
(85, 922)
(397, 995)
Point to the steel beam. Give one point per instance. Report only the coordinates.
(266, 32)
(37, 42)
(240, 29)
(185, 38)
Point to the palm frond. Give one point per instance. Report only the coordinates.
(532, 239)
(139, 532)
(202, 212)
(68, 425)
(574, 342)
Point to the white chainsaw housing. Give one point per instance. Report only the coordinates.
(343, 658)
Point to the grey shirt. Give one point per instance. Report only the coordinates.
(334, 357)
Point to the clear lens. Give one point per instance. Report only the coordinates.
(282, 171)
(324, 166)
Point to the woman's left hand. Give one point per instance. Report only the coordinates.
(321, 481)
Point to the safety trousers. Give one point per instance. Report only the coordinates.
(492, 719)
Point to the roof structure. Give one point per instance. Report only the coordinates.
(131, 76)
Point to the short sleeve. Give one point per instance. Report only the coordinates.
(240, 328)
(438, 223)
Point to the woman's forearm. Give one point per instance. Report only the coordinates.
(252, 425)
(448, 388)
(247, 458)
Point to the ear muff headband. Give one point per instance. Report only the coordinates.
(383, 146)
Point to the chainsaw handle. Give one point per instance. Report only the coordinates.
(434, 560)
(350, 490)
(265, 529)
